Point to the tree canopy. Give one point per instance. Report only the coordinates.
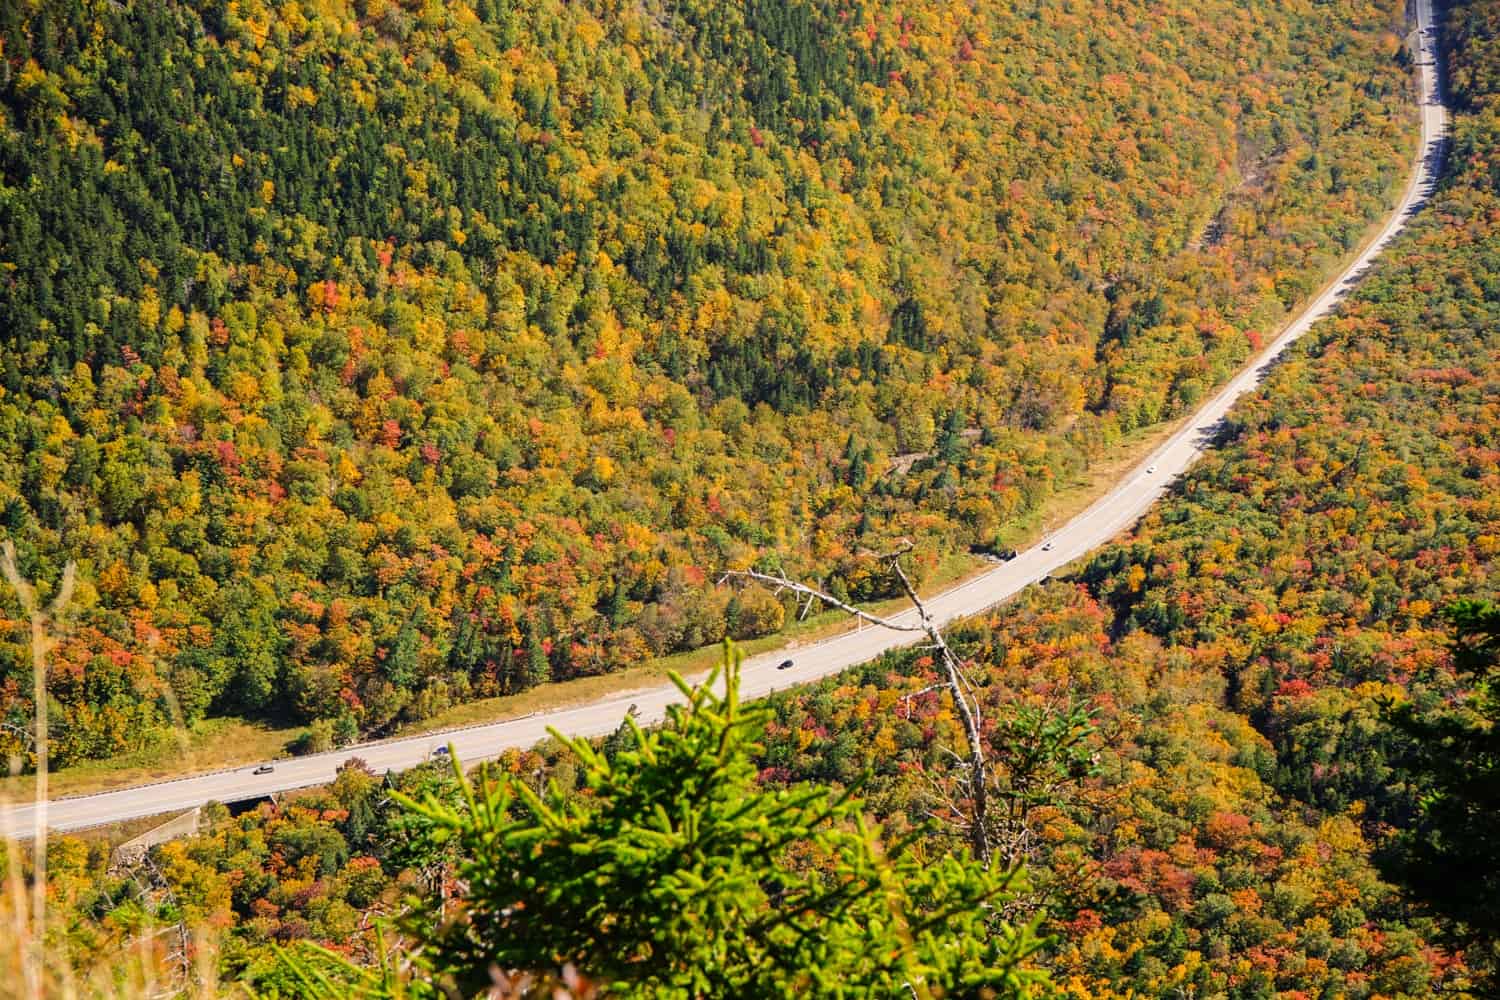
(376, 355)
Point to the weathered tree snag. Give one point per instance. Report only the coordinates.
(956, 682)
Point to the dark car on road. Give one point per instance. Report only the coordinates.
(784, 665)
(263, 769)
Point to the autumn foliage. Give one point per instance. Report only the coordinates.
(374, 356)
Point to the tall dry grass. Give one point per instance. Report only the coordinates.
(39, 962)
(38, 958)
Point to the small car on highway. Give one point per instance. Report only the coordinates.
(784, 665)
(263, 769)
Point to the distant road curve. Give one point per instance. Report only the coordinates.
(1130, 498)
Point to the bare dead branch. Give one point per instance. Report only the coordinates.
(21, 732)
(64, 591)
(783, 583)
(902, 548)
(956, 683)
(907, 699)
(968, 710)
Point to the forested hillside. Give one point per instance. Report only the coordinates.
(373, 356)
(1193, 731)
(1245, 651)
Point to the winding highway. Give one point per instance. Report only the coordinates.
(1100, 523)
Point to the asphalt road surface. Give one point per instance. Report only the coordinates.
(1129, 499)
